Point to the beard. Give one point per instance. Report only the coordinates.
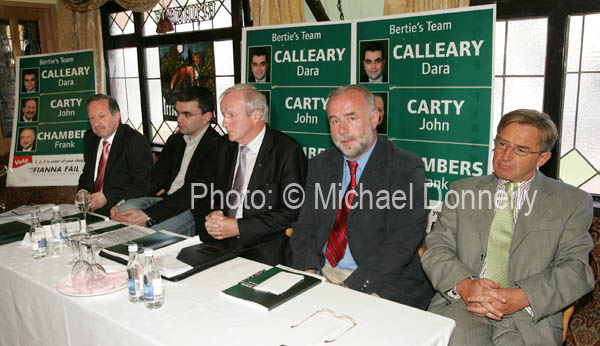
(362, 145)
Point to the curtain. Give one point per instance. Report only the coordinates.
(272, 12)
(407, 6)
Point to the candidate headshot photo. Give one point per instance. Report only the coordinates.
(30, 80)
(29, 110)
(381, 103)
(373, 61)
(259, 59)
(27, 139)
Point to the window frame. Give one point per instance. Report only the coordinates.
(239, 18)
(557, 12)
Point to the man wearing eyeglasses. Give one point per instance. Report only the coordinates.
(374, 64)
(187, 157)
(510, 250)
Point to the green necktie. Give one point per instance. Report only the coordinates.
(501, 232)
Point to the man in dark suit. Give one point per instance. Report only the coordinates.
(371, 244)
(257, 168)
(259, 66)
(118, 160)
(188, 157)
(510, 250)
(374, 64)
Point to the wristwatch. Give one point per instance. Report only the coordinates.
(150, 221)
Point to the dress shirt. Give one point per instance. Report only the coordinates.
(251, 155)
(347, 262)
(378, 80)
(99, 152)
(190, 148)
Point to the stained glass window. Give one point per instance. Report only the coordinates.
(580, 153)
(125, 85)
(7, 71)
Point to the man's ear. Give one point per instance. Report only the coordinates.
(543, 158)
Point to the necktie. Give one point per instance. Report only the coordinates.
(102, 166)
(501, 232)
(336, 245)
(234, 197)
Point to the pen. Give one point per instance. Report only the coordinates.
(246, 282)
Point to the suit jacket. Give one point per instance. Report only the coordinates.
(201, 170)
(128, 168)
(251, 78)
(364, 78)
(383, 239)
(548, 254)
(280, 164)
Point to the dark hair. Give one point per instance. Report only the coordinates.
(374, 46)
(541, 121)
(204, 97)
(258, 52)
(113, 106)
(30, 71)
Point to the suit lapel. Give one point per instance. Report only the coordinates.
(262, 160)
(540, 206)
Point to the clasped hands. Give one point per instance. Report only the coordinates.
(484, 297)
(220, 226)
(131, 216)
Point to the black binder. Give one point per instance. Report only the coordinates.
(201, 257)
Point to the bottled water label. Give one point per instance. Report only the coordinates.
(41, 244)
(148, 293)
(34, 246)
(131, 287)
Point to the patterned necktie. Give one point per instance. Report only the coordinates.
(234, 197)
(501, 232)
(102, 166)
(336, 245)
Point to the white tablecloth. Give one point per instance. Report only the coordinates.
(33, 312)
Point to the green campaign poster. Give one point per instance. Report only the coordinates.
(296, 67)
(431, 73)
(50, 118)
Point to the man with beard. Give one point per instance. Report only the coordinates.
(29, 110)
(117, 158)
(360, 238)
(27, 140)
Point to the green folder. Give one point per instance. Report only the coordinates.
(90, 219)
(243, 290)
(12, 231)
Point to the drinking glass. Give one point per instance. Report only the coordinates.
(83, 202)
(81, 265)
(73, 226)
(95, 275)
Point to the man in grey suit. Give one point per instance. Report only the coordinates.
(370, 245)
(506, 264)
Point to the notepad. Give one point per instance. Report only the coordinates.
(279, 283)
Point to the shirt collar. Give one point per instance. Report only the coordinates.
(197, 139)
(109, 139)
(362, 161)
(255, 143)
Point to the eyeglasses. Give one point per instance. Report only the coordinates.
(330, 313)
(502, 145)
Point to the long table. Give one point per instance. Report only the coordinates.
(33, 312)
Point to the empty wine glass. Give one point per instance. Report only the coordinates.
(83, 202)
(81, 265)
(95, 275)
(73, 226)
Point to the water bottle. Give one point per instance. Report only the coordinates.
(39, 246)
(153, 292)
(58, 228)
(134, 274)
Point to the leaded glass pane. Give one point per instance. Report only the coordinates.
(131, 63)
(498, 90)
(152, 66)
(499, 48)
(567, 139)
(224, 61)
(121, 23)
(188, 16)
(222, 84)
(116, 66)
(7, 87)
(526, 53)
(574, 43)
(587, 118)
(134, 110)
(590, 60)
(523, 92)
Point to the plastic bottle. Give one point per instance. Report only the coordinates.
(153, 292)
(58, 228)
(39, 246)
(134, 274)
